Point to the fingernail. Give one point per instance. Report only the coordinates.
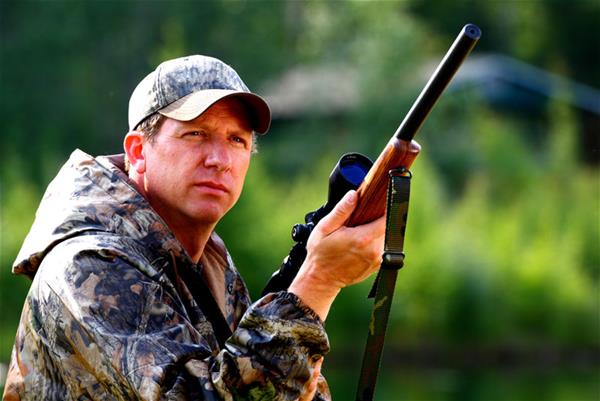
(351, 196)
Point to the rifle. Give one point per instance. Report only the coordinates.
(354, 171)
(400, 152)
(390, 178)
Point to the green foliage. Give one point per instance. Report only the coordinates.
(19, 201)
(470, 385)
(507, 260)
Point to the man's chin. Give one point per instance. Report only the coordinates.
(207, 215)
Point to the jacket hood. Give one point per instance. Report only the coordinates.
(91, 196)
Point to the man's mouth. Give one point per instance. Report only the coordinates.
(212, 186)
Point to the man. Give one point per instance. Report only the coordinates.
(135, 297)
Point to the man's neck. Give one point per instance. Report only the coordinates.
(193, 236)
(193, 240)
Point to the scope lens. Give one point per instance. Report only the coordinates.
(354, 171)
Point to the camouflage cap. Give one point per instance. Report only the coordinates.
(183, 88)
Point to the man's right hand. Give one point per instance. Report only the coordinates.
(338, 256)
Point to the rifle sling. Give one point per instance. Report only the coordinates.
(383, 288)
(207, 303)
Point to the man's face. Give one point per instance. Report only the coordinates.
(195, 170)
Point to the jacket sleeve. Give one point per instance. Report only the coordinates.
(109, 328)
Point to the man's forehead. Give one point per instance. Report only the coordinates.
(221, 111)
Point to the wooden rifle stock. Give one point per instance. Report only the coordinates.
(401, 151)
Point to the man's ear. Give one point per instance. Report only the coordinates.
(134, 149)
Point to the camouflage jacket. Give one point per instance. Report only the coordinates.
(108, 317)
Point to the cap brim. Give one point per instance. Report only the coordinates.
(191, 106)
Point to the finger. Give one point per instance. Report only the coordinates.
(414, 147)
(376, 228)
(340, 213)
(369, 234)
(311, 390)
(317, 368)
(413, 151)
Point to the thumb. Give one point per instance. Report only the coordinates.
(340, 213)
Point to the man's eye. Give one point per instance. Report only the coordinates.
(195, 133)
(239, 139)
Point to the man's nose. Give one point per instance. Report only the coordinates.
(218, 157)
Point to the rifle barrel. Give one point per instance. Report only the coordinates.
(442, 76)
(400, 151)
